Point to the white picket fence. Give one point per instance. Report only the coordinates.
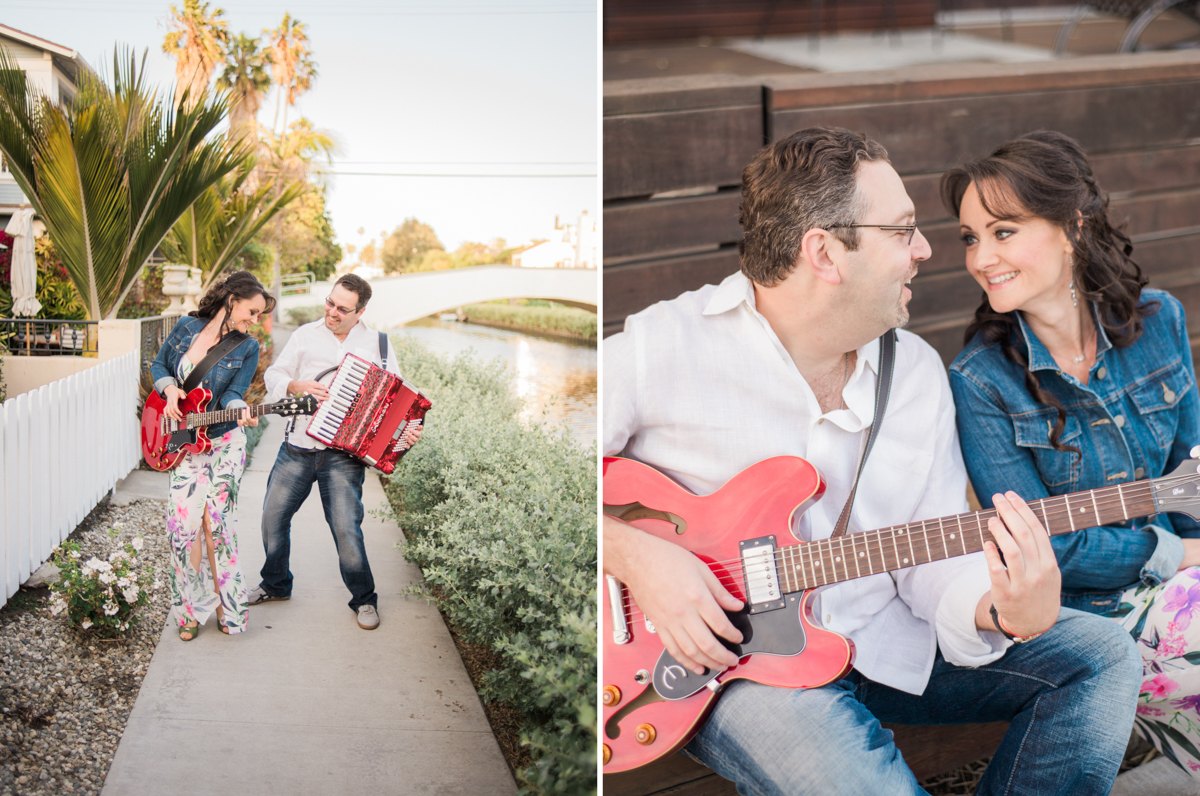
(62, 448)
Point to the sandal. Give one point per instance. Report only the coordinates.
(193, 629)
(221, 621)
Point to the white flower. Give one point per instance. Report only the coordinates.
(110, 609)
(137, 543)
(106, 578)
(130, 594)
(74, 554)
(57, 606)
(124, 626)
(85, 624)
(94, 563)
(116, 526)
(116, 554)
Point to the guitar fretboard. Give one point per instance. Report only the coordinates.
(200, 419)
(806, 566)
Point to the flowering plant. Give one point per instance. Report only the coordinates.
(101, 596)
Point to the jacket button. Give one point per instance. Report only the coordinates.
(1102, 373)
(1139, 473)
(1120, 421)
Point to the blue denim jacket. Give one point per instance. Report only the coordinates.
(1137, 417)
(227, 380)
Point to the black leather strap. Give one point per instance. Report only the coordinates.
(215, 354)
(883, 388)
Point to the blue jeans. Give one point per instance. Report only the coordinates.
(1069, 695)
(340, 480)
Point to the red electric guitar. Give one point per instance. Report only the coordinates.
(653, 705)
(165, 441)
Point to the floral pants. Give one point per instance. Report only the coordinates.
(1160, 619)
(208, 482)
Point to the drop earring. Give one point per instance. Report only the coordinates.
(1074, 297)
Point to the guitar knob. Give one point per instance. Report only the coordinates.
(607, 754)
(645, 734)
(612, 695)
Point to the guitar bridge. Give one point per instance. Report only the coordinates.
(760, 575)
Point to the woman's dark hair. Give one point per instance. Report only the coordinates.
(219, 298)
(1047, 175)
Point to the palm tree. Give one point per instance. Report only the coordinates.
(197, 42)
(111, 172)
(292, 65)
(244, 76)
(223, 221)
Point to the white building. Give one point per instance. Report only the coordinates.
(53, 70)
(570, 246)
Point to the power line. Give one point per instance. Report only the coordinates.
(391, 12)
(468, 162)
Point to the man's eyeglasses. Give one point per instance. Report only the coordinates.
(339, 310)
(911, 229)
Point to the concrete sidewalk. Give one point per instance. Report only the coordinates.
(305, 702)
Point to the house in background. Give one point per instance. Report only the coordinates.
(54, 70)
(569, 246)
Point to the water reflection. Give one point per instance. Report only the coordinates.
(552, 375)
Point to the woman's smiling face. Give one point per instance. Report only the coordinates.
(1021, 262)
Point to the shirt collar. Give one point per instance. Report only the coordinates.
(1039, 355)
(733, 290)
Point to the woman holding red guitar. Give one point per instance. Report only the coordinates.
(204, 487)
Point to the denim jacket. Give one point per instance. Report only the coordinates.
(227, 380)
(1137, 417)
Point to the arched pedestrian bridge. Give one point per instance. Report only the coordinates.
(397, 300)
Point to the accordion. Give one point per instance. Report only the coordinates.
(367, 413)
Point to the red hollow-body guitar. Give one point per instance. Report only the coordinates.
(653, 705)
(165, 441)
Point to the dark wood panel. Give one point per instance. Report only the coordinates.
(1154, 212)
(640, 22)
(688, 93)
(656, 152)
(932, 135)
(942, 295)
(946, 337)
(786, 92)
(673, 772)
(630, 288)
(642, 228)
(1148, 169)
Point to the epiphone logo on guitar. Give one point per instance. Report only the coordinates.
(743, 532)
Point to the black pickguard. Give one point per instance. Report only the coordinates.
(778, 632)
(180, 438)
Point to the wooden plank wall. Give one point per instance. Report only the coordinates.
(634, 21)
(1138, 117)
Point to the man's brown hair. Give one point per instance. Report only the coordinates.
(358, 286)
(808, 180)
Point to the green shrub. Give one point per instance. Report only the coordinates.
(100, 596)
(501, 516)
(547, 318)
(298, 316)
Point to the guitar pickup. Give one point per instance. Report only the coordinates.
(760, 575)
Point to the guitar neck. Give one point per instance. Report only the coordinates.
(227, 415)
(806, 566)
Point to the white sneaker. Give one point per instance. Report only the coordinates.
(368, 617)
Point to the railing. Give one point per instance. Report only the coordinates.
(154, 332)
(62, 448)
(30, 338)
(296, 284)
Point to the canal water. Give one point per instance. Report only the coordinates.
(552, 375)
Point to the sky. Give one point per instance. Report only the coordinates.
(409, 87)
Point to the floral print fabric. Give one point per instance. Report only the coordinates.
(1164, 620)
(207, 482)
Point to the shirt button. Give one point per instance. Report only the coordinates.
(1139, 473)
(1120, 421)
(828, 618)
(820, 421)
(1100, 374)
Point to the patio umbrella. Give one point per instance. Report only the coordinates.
(24, 267)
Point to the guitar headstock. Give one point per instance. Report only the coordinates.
(298, 405)
(1180, 491)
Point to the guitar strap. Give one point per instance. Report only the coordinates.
(215, 354)
(883, 387)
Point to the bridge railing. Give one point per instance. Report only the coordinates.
(63, 446)
(296, 284)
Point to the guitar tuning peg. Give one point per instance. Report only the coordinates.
(1195, 452)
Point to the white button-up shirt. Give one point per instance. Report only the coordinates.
(311, 350)
(701, 388)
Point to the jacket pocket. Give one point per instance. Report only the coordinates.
(1056, 468)
(1157, 401)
